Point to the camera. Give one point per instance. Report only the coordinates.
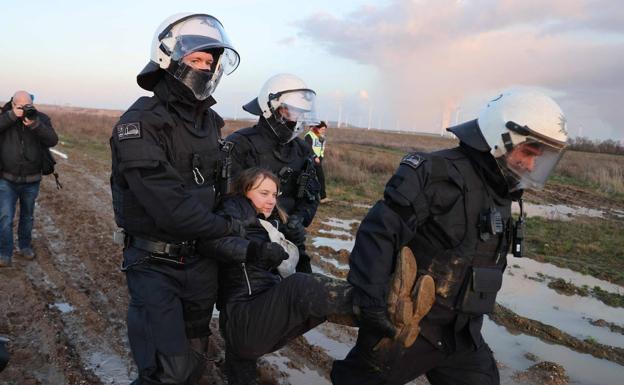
(30, 112)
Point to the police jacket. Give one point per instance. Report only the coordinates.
(238, 279)
(258, 146)
(165, 161)
(453, 210)
(21, 147)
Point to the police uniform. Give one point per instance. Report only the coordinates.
(453, 209)
(258, 146)
(166, 158)
(317, 143)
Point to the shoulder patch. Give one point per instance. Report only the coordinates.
(413, 160)
(128, 131)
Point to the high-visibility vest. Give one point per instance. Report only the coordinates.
(318, 145)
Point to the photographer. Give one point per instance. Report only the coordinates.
(24, 134)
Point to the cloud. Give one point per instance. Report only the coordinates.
(287, 41)
(434, 55)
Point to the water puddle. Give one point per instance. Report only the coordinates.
(334, 243)
(303, 375)
(334, 262)
(558, 212)
(63, 307)
(535, 300)
(336, 233)
(581, 368)
(335, 349)
(319, 270)
(109, 368)
(344, 224)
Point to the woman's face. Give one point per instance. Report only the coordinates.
(263, 196)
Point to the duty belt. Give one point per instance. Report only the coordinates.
(168, 252)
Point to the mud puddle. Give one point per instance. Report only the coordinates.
(513, 350)
(568, 313)
(294, 373)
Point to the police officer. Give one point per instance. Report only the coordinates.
(452, 208)
(285, 104)
(166, 159)
(317, 140)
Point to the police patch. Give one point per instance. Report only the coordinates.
(128, 131)
(413, 160)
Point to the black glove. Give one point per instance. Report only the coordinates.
(376, 319)
(294, 230)
(237, 227)
(267, 255)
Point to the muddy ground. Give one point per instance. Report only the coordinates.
(64, 312)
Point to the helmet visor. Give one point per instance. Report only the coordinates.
(297, 106)
(199, 33)
(529, 164)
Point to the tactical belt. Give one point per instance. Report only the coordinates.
(167, 252)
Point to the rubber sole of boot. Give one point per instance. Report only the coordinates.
(423, 297)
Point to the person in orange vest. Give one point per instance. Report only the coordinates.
(315, 137)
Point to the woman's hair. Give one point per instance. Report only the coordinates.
(252, 177)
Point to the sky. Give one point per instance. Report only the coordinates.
(417, 65)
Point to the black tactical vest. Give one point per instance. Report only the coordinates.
(196, 155)
(464, 246)
(287, 161)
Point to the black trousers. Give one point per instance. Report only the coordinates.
(170, 309)
(320, 174)
(281, 313)
(363, 366)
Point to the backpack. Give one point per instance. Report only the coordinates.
(47, 165)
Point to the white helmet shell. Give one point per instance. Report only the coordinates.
(181, 34)
(526, 133)
(284, 89)
(537, 113)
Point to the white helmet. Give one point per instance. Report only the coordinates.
(526, 133)
(180, 35)
(287, 104)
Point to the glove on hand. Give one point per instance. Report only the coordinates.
(294, 230)
(267, 255)
(376, 319)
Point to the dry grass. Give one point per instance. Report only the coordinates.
(357, 160)
(405, 141)
(605, 171)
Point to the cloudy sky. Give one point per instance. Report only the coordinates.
(395, 64)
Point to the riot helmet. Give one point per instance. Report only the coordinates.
(287, 104)
(525, 131)
(177, 37)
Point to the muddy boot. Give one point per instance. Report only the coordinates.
(338, 299)
(408, 300)
(423, 297)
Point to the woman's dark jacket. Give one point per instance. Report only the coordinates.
(238, 279)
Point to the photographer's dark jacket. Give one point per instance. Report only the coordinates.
(238, 279)
(21, 147)
(166, 158)
(258, 146)
(437, 204)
